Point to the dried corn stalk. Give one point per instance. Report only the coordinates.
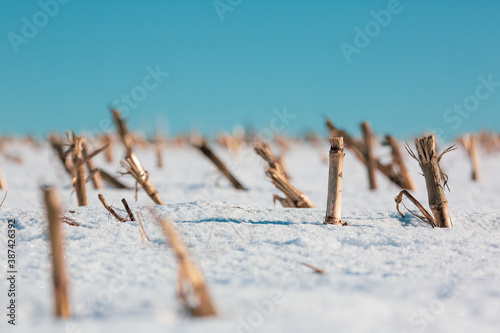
(108, 141)
(294, 197)
(232, 142)
(470, 144)
(110, 209)
(130, 215)
(159, 152)
(282, 142)
(95, 172)
(205, 149)
(359, 149)
(371, 162)
(134, 168)
(315, 269)
(142, 231)
(192, 290)
(435, 182)
(79, 171)
(79, 159)
(58, 146)
(333, 206)
(426, 217)
(112, 180)
(59, 277)
(398, 164)
(121, 127)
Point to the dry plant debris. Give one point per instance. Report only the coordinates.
(333, 205)
(142, 231)
(113, 181)
(79, 159)
(141, 176)
(315, 269)
(358, 148)
(192, 290)
(112, 211)
(121, 127)
(470, 143)
(294, 197)
(203, 147)
(435, 181)
(59, 276)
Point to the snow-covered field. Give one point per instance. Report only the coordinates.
(382, 273)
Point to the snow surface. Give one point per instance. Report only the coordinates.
(383, 273)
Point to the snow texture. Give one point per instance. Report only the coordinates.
(383, 273)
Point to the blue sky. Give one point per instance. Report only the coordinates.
(233, 62)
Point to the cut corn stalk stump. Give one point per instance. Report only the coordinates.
(333, 207)
(469, 142)
(79, 171)
(435, 182)
(294, 198)
(159, 151)
(59, 276)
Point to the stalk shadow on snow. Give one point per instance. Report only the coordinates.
(410, 221)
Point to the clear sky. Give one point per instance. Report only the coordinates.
(407, 66)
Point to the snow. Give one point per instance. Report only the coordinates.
(383, 273)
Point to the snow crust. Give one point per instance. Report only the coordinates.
(383, 273)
